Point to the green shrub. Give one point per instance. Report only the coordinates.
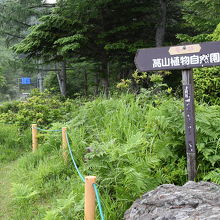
(9, 106)
(135, 145)
(207, 85)
(41, 108)
(131, 143)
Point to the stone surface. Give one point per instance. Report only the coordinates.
(192, 201)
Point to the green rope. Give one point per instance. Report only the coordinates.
(83, 179)
(77, 169)
(98, 201)
(40, 129)
(74, 162)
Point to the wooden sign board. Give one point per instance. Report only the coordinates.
(183, 57)
(178, 57)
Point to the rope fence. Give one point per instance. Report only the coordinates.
(40, 129)
(73, 160)
(98, 201)
(91, 189)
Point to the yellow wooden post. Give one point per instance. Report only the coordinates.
(64, 144)
(34, 137)
(90, 206)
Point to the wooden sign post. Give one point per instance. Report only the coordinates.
(184, 57)
(190, 129)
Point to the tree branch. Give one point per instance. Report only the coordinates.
(42, 6)
(12, 35)
(19, 22)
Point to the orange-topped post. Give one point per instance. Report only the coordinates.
(90, 206)
(34, 137)
(64, 144)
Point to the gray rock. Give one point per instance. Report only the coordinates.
(192, 201)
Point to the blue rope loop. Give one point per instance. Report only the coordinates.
(83, 179)
(72, 157)
(80, 174)
(98, 201)
(40, 129)
(77, 169)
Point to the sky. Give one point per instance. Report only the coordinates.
(50, 1)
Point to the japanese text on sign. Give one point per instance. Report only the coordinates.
(206, 54)
(186, 60)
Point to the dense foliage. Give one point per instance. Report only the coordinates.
(131, 137)
(207, 86)
(41, 108)
(131, 143)
(62, 42)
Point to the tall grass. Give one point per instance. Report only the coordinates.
(130, 143)
(13, 142)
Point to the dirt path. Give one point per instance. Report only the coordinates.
(5, 190)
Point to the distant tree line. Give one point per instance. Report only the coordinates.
(90, 44)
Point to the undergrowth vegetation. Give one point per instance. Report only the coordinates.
(207, 87)
(41, 108)
(131, 143)
(13, 142)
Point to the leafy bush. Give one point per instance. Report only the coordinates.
(214, 176)
(216, 33)
(9, 106)
(40, 108)
(207, 85)
(135, 146)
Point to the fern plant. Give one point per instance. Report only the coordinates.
(213, 176)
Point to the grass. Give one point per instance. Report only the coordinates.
(6, 180)
(13, 142)
(119, 133)
(130, 144)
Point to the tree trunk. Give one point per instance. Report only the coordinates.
(97, 82)
(105, 84)
(85, 82)
(105, 78)
(161, 27)
(40, 82)
(61, 76)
